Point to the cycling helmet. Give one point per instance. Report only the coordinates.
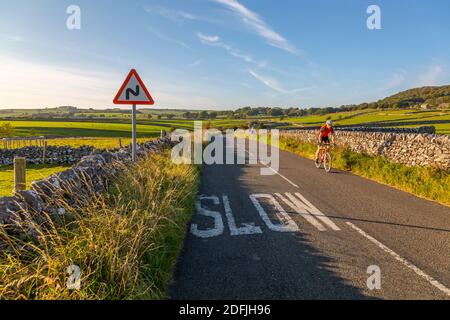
(330, 123)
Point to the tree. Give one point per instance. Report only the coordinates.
(276, 112)
(7, 130)
(187, 115)
(204, 115)
(213, 115)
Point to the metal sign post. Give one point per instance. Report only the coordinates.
(134, 144)
(133, 92)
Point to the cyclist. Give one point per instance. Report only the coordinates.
(324, 136)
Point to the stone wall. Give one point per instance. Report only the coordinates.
(53, 155)
(412, 149)
(75, 187)
(425, 129)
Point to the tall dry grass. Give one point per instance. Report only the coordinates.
(125, 242)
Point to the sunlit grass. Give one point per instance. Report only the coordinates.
(125, 241)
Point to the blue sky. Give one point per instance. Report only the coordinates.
(220, 54)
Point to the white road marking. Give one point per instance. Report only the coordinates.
(248, 228)
(419, 272)
(288, 225)
(317, 213)
(276, 172)
(218, 223)
(301, 210)
(293, 184)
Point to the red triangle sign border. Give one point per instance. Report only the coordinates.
(133, 72)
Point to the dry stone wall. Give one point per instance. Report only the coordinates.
(51, 155)
(412, 149)
(75, 187)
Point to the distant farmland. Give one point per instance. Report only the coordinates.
(149, 128)
(387, 118)
(89, 128)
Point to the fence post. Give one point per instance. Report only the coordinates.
(20, 174)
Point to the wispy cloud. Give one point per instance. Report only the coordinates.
(431, 76)
(208, 39)
(273, 84)
(268, 82)
(258, 25)
(217, 42)
(174, 15)
(195, 63)
(166, 38)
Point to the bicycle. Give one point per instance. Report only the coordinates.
(324, 157)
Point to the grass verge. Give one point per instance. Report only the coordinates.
(125, 242)
(427, 182)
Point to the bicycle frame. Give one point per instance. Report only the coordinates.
(324, 149)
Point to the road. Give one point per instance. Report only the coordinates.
(306, 234)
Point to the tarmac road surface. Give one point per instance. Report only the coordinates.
(306, 234)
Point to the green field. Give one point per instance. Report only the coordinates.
(94, 129)
(121, 127)
(410, 118)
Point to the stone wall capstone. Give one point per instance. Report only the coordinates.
(411, 149)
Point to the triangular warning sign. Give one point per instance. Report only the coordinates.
(133, 91)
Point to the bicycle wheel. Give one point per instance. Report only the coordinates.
(327, 163)
(317, 162)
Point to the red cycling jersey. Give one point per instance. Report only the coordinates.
(325, 131)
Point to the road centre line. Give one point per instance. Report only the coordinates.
(289, 181)
(405, 262)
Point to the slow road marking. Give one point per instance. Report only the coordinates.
(263, 203)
